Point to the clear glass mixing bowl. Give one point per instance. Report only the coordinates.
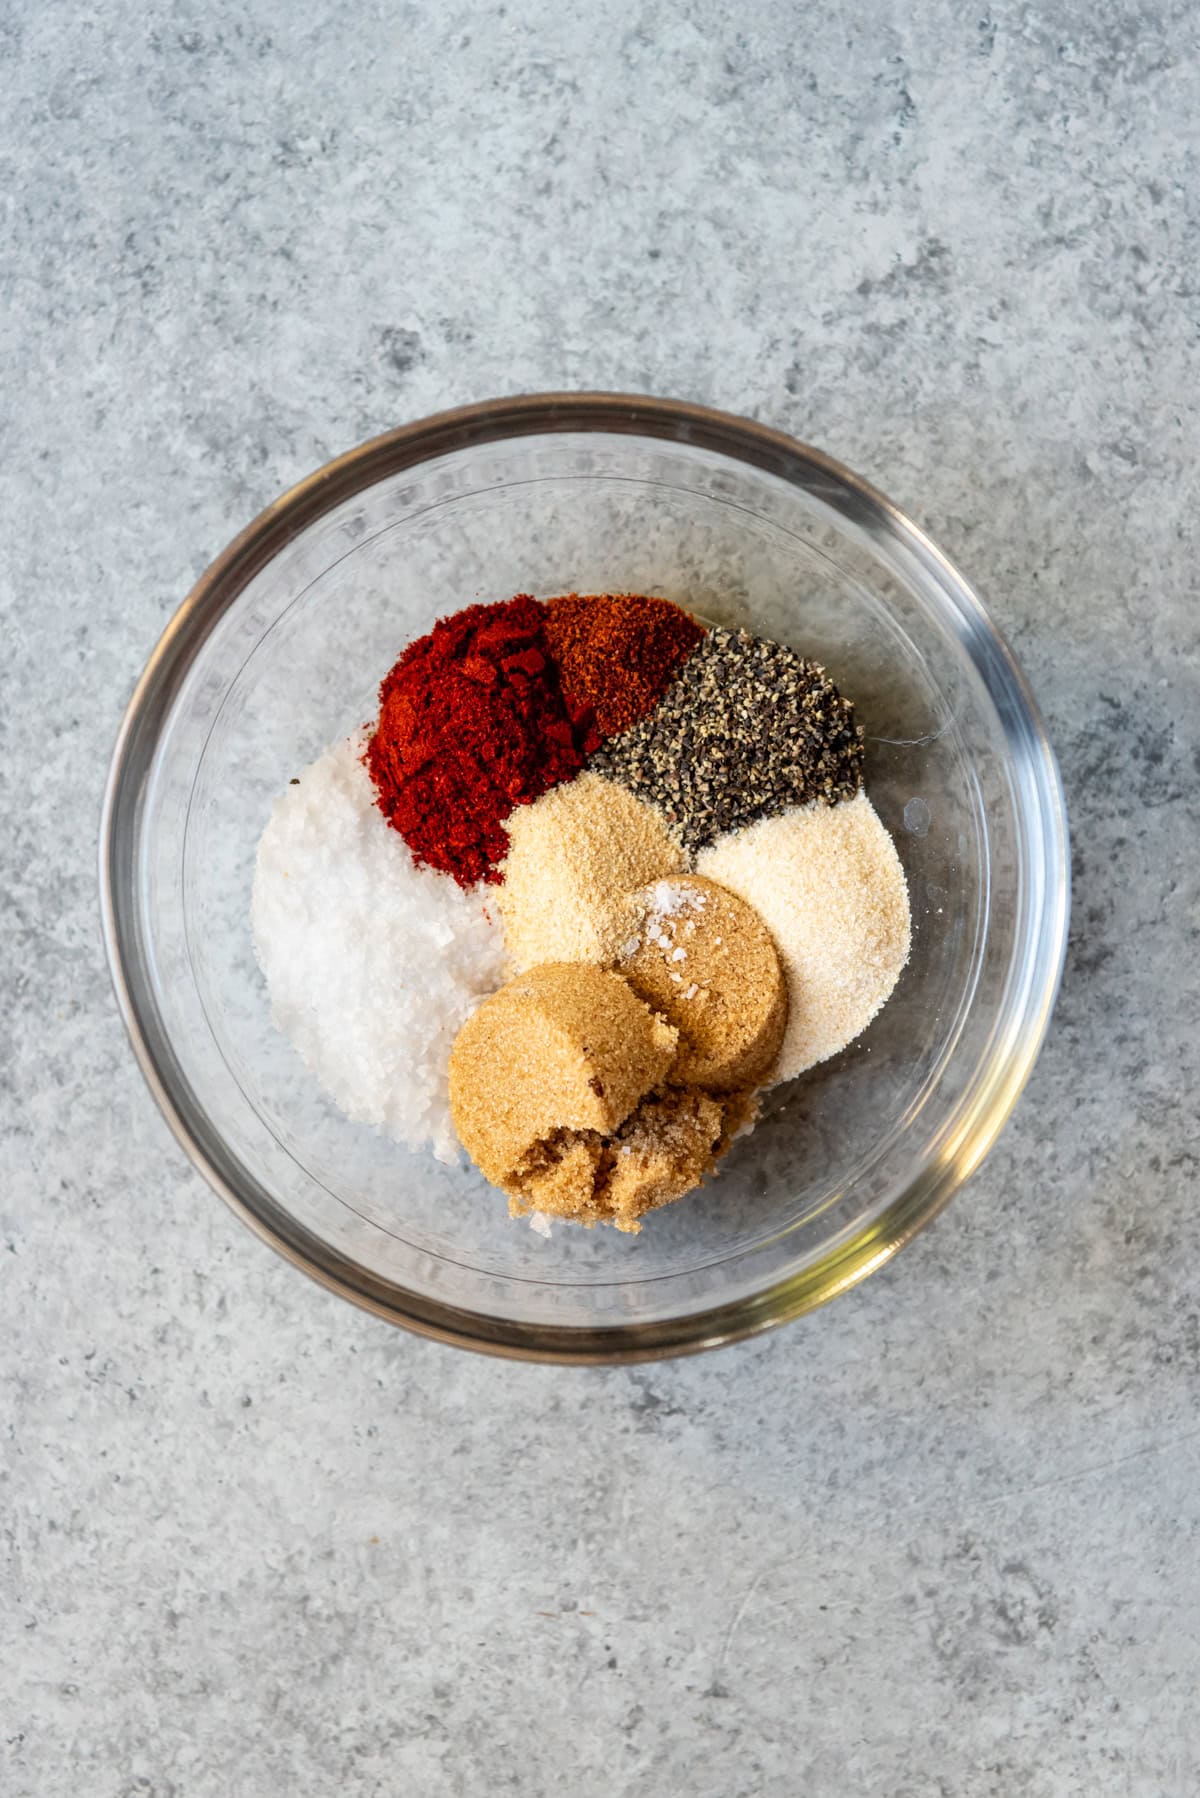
(279, 650)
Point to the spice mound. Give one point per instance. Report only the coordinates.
(472, 722)
(595, 637)
(575, 859)
(555, 1091)
(747, 729)
(706, 961)
(828, 885)
(372, 963)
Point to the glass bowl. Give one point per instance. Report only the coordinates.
(279, 650)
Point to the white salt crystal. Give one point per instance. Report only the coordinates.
(668, 899)
(372, 963)
(679, 955)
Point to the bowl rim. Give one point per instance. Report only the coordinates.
(1005, 1070)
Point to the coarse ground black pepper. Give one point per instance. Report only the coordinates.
(747, 729)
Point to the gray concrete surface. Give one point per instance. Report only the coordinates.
(939, 1539)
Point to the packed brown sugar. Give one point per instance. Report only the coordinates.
(562, 1090)
(703, 958)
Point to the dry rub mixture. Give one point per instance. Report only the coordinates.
(594, 880)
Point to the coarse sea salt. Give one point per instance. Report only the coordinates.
(372, 963)
(665, 901)
(669, 898)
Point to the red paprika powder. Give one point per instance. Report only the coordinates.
(618, 653)
(473, 722)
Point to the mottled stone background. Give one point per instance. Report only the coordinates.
(939, 1539)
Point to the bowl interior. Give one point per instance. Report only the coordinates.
(294, 661)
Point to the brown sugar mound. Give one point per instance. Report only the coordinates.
(703, 957)
(567, 1046)
(660, 1153)
(557, 1092)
